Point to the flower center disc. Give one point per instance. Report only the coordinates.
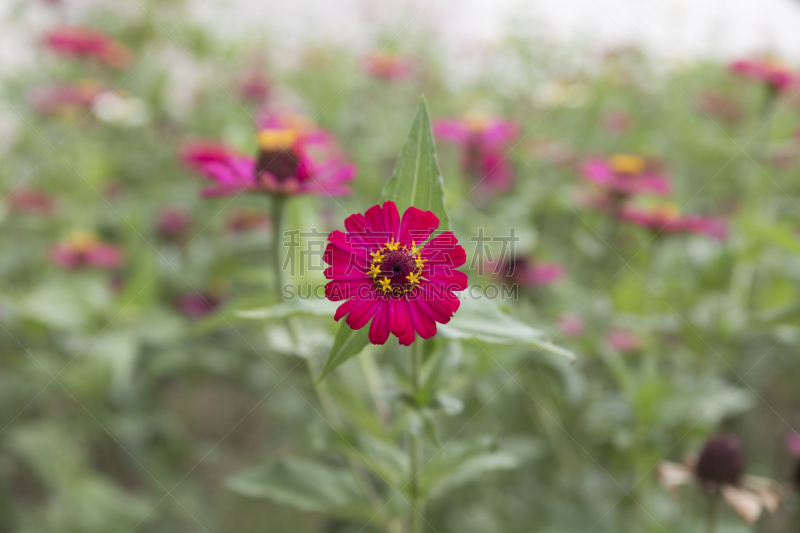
(396, 269)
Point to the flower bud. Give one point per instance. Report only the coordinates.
(721, 462)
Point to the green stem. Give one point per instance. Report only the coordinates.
(711, 512)
(414, 444)
(278, 211)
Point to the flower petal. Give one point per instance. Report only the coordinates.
(379, 329)
(417, 225)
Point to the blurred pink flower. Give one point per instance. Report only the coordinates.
(616, 121)
(624, 175)
(31, 201)
(666, 218)
(388, 66)
(623, 341)
(196, 305)
(197, 152)
(80, 42)
(719, 105)
(770, 70)
(484, 144)
(291, 161)
(83, 249)
(793, 443)
(173, 222)
(255, 86)
(571, 325)
(526, 272)
(51, 99)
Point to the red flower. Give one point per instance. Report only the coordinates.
(88, 43)
(666, 218)
(484, 143)
(32, 201)
(83, 249)
(381, 271)
(625, 175)
(53, 99)
(771, 71)
(623, 341)
(173, 222)
(290, 161)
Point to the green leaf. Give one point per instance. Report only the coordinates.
(307, 485)
(417, 180)
(296, 307)
(480, 319)
(348, 343)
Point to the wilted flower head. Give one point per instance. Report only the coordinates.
(771, 70)
(84, 249)
(290, 161)
(195, 305)
(31, 201)
(63, 98)
(86, 43)
(616, 121)
(623, 341)
(624, 175)
(666, 218)
(719, 105)
(528, 273)
(484, 143)
(389, 66)
(720, 469)
(385, 269)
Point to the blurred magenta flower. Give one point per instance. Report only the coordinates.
(388, 66)
(528, 273)
(484, 142)
(571, 325)
(31, 201)
(173, 222)
(770, 70)
(63, 98)
(248, 219)
(624, 175)
(83, 249)
(793, 443)
(623, 341)
(196, 305)
(666, 218)
(290, 161)
(197, 152)
(616, 121)
(380, 273)
(88, 43)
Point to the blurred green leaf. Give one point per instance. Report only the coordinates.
(296, 307)
(480, 319)
(307, 485)
(348, 343)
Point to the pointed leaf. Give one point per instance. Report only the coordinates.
(348, 343)
(417, 180)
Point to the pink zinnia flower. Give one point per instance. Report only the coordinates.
(624, 175)
(31, 201)
(528, 273)
(52, 99)
(197, 152)
(484, 142)
(623, 341)
(88, 43)
(770, 70)
(289, 162)
(83, 249)
(388, 66)
(571, 325)
(383, 269)
(667, 219)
